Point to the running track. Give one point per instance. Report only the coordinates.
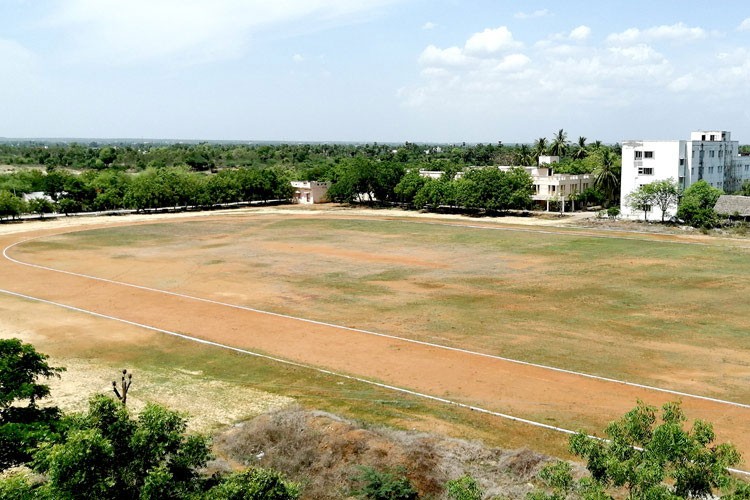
(506, 388)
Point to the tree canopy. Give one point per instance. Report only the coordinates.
(651, 456)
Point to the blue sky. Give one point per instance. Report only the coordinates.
(373, 70)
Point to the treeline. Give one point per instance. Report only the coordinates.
(111, 189)
(313, 159)
(94, 177)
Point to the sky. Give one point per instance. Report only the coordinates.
(374, 70)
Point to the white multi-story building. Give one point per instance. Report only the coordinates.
(709, 155)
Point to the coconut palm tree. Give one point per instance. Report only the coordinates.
(581, 152)
(540, 147)
(559, 144)
(524, 156)
(607, 176)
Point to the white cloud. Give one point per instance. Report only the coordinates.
(580, 33)
(676, 32)
(532, 15)
(744, 25)
(298, 58)
(434, 56)
(429, 25)
(491, 41)
(640, 53)
(513, 62)
(188, 31)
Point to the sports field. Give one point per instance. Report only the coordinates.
(661, 311)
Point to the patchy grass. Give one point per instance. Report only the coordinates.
(590, 304)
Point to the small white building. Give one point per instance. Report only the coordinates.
(309, 192)
(709, 155)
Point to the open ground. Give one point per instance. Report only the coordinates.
(658, 310)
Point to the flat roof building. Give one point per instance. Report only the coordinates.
(709, 155)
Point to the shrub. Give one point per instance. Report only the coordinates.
(464, 488)
(383, 485)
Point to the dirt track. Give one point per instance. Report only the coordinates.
(529, 392)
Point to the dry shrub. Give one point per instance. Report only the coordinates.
(524, 463)
(322, 451)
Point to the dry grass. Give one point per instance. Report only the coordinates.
(567, 300)
(322, 451)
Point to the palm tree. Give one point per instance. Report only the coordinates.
(596, 145)
(524, 156)
(540, 147)
(559, 144)
(581, 152)
(607, 176)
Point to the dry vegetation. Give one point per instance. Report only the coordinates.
(322, 451)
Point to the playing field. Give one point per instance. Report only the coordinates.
(654, 310)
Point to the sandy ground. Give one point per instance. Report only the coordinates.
(521, 390)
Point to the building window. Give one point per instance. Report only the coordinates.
(710, 170)
(639, 155)
(648, 154)
(645, 171)
(692, 170)
(747, 167)
(720, 169)
(711, 153)
(713, 137)
(682, 162)
(720, 153)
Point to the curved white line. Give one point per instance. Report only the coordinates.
(367, 332)
(317, 369)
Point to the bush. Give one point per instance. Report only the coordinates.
(254, 484)
(464, 488)
(383, 485)
(613, 212)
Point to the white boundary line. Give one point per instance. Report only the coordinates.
(319, 370)
(368, 332)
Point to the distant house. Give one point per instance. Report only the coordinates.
(309, 192)
(733, 206)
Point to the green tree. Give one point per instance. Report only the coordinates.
(41, 206)
(408, 187)
(640, 200)
(580, 152)
(559, 146)
(524, 156)
(22, 423)
(607, 174)
(664, 194)
(745, 189)
(696, 206)
(10, 205)
(540, 147)
(656, 458)
(105, 454)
